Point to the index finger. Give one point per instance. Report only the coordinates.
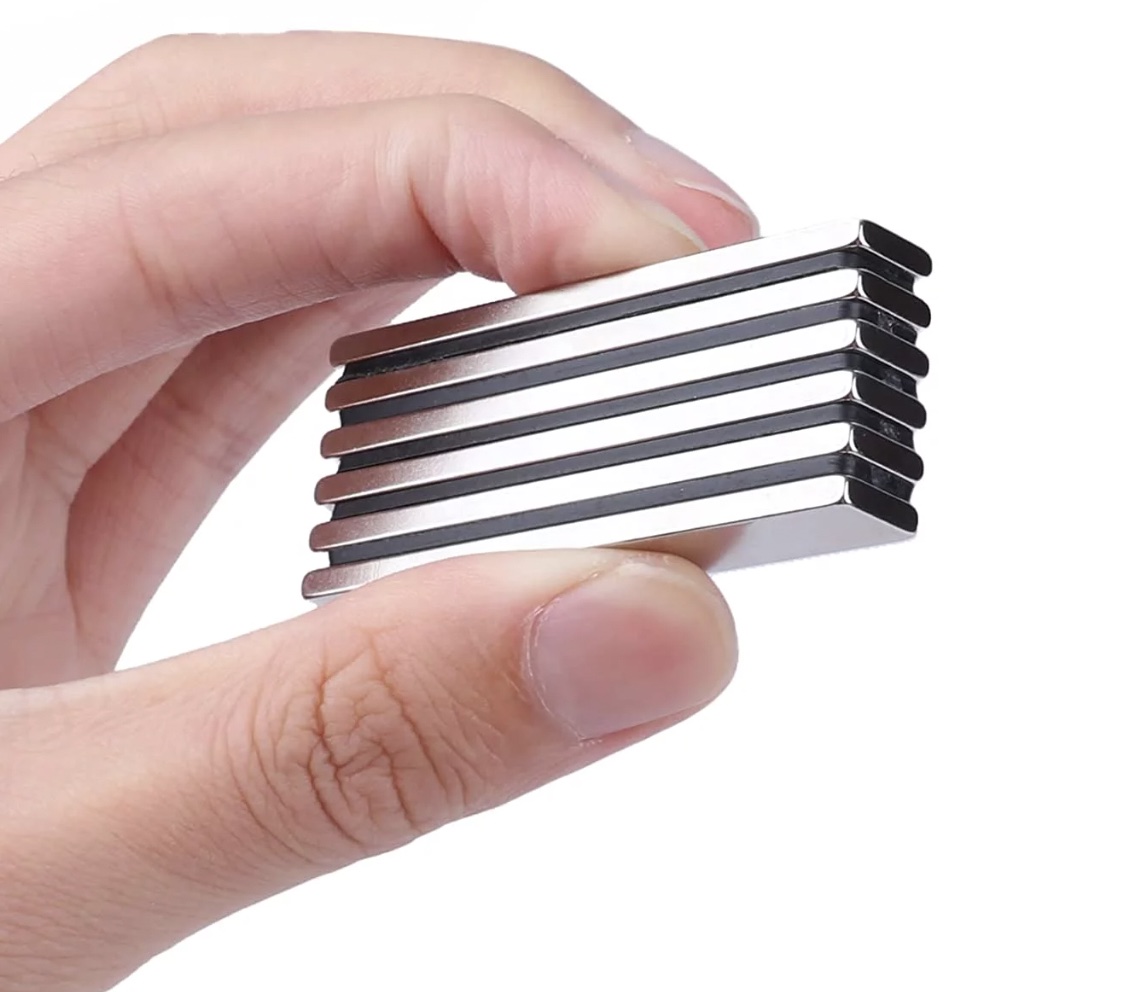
(154, 244)
(185, 81)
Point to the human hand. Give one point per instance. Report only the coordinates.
(180, 240)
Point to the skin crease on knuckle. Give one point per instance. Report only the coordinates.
(521, 172)
(154, 227)
(444, 145)
(361, 752)
(463, 142)
(468, 123)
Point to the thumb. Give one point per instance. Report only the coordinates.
(147, 804)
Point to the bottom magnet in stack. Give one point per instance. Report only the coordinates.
(700, 471)
(820, 515)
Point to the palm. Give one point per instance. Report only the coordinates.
(102, 487)
(37, 613)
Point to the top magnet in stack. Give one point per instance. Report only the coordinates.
(858, 244)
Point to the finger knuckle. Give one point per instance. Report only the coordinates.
(520, 69)
(122, 101)
(472, 132)
(509, 194)
(158, 50)
(475, 111)
(186, 422)
(371, 754)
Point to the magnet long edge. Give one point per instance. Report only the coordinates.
(691, 462)
(368, 494)
(635, 283)
(625, 341)
(752, 343)
(666, 428)
(886, 275)
(624, 388)
(740, 478)
(862, 517)
(589, 293)
(872, 389)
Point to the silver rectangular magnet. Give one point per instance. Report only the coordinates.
(776, 358)
(577, 493)
(628, 340)
(793, 405)
(662, 285)
(719, 533)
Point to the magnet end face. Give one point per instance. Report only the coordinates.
(885, 242)
(747, 405)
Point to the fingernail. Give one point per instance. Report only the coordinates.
(630, 646)
(687, 172)
(645, 203)
(661, 214)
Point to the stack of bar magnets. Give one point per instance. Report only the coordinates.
(741, 406)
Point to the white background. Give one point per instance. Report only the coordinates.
(920, 779)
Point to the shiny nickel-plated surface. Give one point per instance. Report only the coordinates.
(779, 257)
(742, 479)
(732, 530)
(742, 406)
(628, 340)
(744, 364)
(504, 506)
(789, 405)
